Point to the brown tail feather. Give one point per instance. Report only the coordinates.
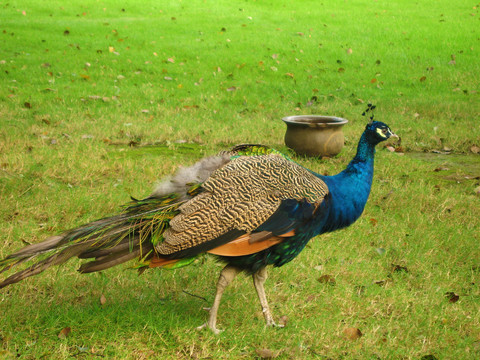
(55, 259)
(111, 260)
(35, 249)
(94, 253)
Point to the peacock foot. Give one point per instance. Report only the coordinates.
(274, 324)
(212, 328)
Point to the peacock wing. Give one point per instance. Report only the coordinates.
(249, 194)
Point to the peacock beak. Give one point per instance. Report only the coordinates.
(393, 135)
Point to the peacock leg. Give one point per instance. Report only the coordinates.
(226, 276)
(259, 279)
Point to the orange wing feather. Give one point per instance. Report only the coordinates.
(238, 247)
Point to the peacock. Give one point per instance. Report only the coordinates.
(250, 206)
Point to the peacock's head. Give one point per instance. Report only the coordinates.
(376, 132)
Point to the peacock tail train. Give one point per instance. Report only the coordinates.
(136, 233)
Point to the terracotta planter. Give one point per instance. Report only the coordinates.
(314, 135)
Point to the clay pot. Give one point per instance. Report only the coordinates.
(314, 135)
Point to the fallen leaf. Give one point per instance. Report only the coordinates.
(283, 321)
(27, 105)
(171, 60)
(349, 51)
(423, 78)
(399, 268)
(373, 81)
(475, 149)
(64, 332)
(266, 353)
(232, 88)
(103, 300)
(452, 297)
(341, 70)
(428, 357)
(373, 222)
(352, 333)
(327, 279)
(290, 75)
(441, 168)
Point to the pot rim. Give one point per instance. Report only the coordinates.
(330, 120)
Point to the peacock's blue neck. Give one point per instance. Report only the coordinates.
(349, 190)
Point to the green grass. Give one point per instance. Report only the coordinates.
(81, 82)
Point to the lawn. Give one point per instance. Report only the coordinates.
(100, 99)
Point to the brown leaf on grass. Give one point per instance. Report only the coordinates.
(452, 297)
(266, 353)
(327, 279)
(290, 75)
(27, 105)
(423, 78)
(399, 268)
(441, 168)
(452, 62)
(352, 333)
(232, 88)
(428, 357)
(103, 300)
(64, 332)
(373, 221)
(475, 149)
(373, 81)
(283, 321)
(341, 70)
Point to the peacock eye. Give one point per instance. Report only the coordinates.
(384, 131)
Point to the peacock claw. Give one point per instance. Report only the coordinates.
(275, 325)
(213, 329)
